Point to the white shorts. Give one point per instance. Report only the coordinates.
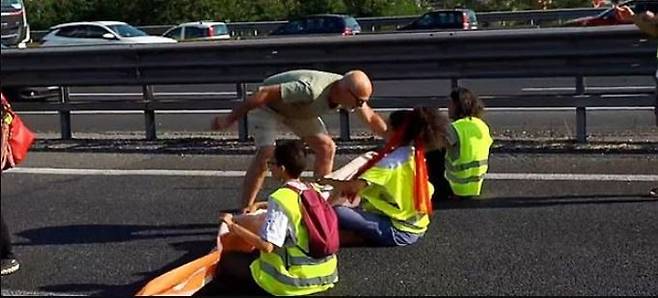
(266, 122)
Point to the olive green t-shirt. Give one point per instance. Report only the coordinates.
(304, 93)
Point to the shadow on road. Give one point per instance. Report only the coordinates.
(94, 234)
(527, 202)
(89, 234)
(191, 249)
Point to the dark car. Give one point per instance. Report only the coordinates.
(15, 30)
(459, 18)
(611, 16)
(320, 24)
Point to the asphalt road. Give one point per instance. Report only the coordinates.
(548, 224)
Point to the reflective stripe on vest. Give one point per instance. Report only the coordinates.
(391, 191)
(289, 270)
(298, 282)
(301, 259)
(462, 167)
(467, 163)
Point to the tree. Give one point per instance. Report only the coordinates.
(43, 14)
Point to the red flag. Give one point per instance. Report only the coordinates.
(422, 200)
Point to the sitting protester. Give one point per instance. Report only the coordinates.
(458, 170)
(393, 187)
(282, 264)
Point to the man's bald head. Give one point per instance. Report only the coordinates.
(358, 83)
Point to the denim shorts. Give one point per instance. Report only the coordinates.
(375, 228)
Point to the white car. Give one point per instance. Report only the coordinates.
(95, 33)
(201, 30)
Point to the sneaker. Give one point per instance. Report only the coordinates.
(9, 266)
(654, 192)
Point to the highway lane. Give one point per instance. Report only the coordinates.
(95, 233)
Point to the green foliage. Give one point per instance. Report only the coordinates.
(45, 13)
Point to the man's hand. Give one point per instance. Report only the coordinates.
(253, 207)
(624, 13)
(226, 217)
(220, 123)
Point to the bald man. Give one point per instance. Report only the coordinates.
(297, 99)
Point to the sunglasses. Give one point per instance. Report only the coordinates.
(358, 102)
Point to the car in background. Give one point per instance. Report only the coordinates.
(15, 29)
(611, 16)
(95, 33)
(202, 30)
(458, 18)
(320, 24)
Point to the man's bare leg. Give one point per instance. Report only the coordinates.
(253, 179)
(325, 150)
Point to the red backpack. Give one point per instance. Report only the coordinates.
(321, 222)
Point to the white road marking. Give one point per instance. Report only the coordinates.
(231, 174)
(539, 89)
(6, 292)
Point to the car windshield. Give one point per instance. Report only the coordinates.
(11, 5)
(352, 23)
(126, 30)
(220, 29)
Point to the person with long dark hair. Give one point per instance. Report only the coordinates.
(392, 187)
(458, 170)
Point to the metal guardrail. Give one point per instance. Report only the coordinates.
(574, 53)
(376, 24)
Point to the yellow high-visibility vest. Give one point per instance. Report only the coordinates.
(468, 161)
(289, 271)
(391, 191)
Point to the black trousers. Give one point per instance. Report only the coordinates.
(6, 241)
(234, 277)
(435, 161)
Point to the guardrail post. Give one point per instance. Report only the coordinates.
(581, 113)
(344, 125)
(65, 116)
(243, 124)
(149, 114)
(454, 83)
(655, 109)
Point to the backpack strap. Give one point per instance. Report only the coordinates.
(297, 189)
(301, 205)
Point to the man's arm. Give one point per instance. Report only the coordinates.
(263, 96)
(374, 121)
